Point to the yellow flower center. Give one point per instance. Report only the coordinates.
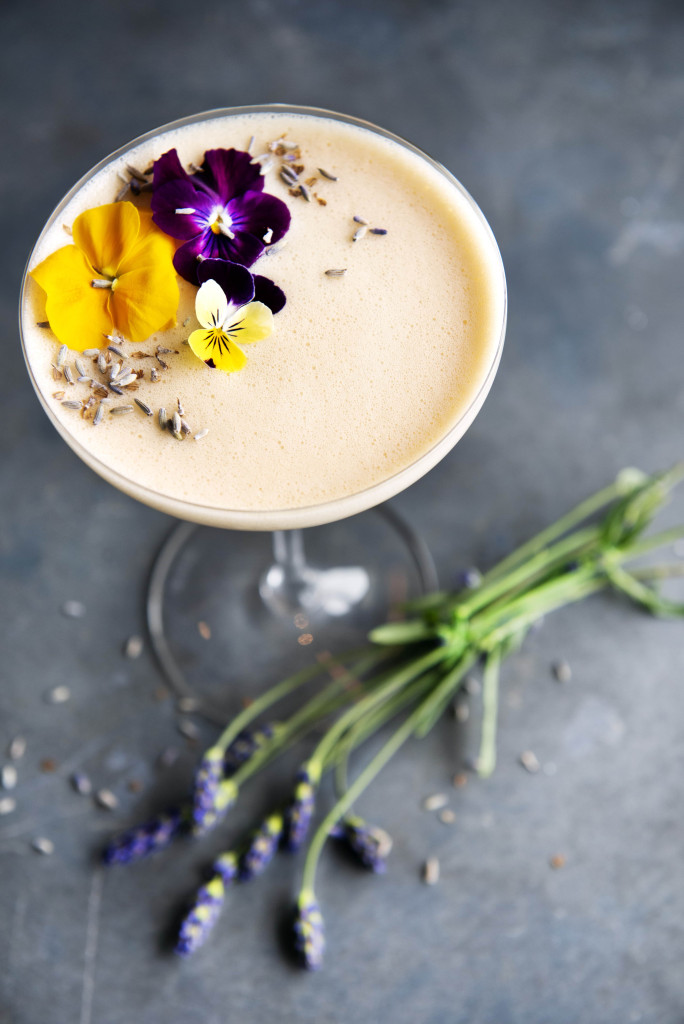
(220, 222)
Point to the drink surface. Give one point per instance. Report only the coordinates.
(365, 372)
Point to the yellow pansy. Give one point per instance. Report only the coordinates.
(223, 325)
(117, 276)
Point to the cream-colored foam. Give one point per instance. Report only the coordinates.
(363, 375)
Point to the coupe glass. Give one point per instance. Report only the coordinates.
(268, 607)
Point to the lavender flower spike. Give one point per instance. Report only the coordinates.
(300, 811)
(262, 848)
(309, 934)
(370, 843)
(204, 913)
(139, 842)
(245, 745)
(211, 798)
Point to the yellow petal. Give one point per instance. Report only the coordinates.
(217, 350)
(78, 313)
(252, 322)
(211, 305)
(144, 298)
(106, 234)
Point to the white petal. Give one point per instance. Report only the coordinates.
(211, 305)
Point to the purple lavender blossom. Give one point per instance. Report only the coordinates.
(139, 842)
(262, 848)
(370, 843)
(300, 812)
(309, 933)
(244, 746)
(203, 915)
(219, 212)
(207, 787)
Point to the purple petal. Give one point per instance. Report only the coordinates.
(230, 172)
(269, 293)
(181, 195)
(256, 213)
(168, 168)
(236, 280)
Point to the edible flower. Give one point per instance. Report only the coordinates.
(219, 212)
(262, 848)
(117, 276)
(223, 322)
(141, 841)
(309, 931)
(206, 907)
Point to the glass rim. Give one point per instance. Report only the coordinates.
(264, 519)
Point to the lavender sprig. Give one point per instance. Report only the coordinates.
(204, 913)
(245, 746)
(300, 812)
(371, 844)
(309, 932)
(142, 840)
(262, 848)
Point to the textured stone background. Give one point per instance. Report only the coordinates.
(565, 122)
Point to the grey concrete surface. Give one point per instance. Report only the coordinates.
(565, 122)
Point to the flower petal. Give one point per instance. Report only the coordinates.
(252, 322)
(269, 293)
(230, 172)
(235, 280)
(217, 350)
(256, 213)
(78, 313)
(181, 195)
(168, 168)
(106, 233)
(243, 249)
(211, 306)
(145, 296)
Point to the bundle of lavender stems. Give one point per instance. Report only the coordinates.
(403, 680)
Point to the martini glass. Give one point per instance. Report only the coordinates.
(330, 572)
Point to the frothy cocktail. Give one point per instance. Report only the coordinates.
(372, 373)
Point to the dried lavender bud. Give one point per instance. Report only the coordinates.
(139, 842)
(309, 933)
(262, 848)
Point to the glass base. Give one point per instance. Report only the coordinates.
(227, 620)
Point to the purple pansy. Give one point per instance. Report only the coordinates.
(220, 212)
(239, 285)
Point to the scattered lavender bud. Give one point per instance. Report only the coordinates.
(530, 762)
(8, 777)
(431, 871)
(73, 609)
(187, 728)
(44, 846)
(309, 933)
(187, 705)
(435, 802)
(133, 647)
(106, 799)
(471, 578)
(81, 783)
(562, 671)
(17, 748)
(461, 711)
(472, 686)
(7, 805)
(168, 757)
(58, 695)
(447, 816)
